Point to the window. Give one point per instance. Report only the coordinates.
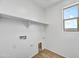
(71, 18)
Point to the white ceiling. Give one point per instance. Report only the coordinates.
(45, 3)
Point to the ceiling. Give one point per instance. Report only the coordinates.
(45, 3)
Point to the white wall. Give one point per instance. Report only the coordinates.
(64, 43)
(10, 43)
(22, 8)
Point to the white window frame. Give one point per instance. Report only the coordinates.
(71, 30)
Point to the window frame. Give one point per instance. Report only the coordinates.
(71, 29)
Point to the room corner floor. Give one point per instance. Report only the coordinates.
(45, 53)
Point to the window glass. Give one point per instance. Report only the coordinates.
(71, 12)
(71, 24)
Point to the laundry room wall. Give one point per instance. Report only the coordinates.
(63, 43)
(10, 43)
